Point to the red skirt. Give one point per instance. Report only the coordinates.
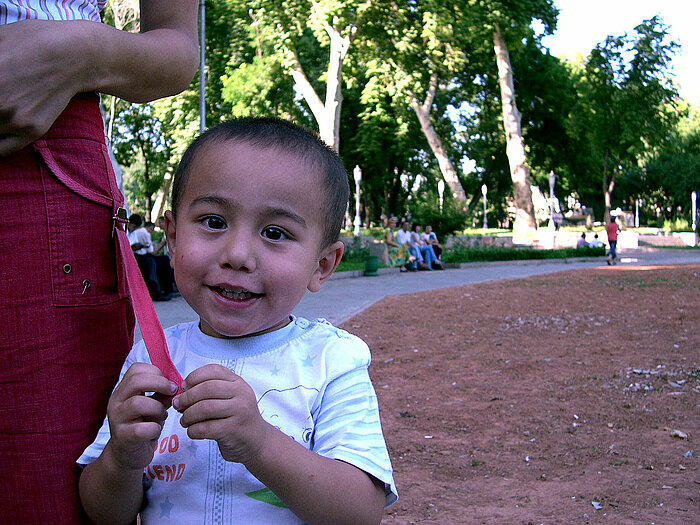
(66, 313)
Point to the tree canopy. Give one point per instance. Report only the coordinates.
(410, 92)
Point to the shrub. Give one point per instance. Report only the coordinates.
(461, 254)
(453, 217)
(355, 252)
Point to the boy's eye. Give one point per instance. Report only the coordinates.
(274, 234)
(214, 223)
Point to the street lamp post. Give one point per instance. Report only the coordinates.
(441, 191)
(202, 79)
(552, 181)
(484, 189)
(357, 174)
(636, 212)
(694, 199)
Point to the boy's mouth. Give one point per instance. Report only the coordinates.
(236, 294)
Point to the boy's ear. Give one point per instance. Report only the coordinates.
(327, 263)
(170, 234)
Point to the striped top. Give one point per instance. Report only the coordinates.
(16, 10)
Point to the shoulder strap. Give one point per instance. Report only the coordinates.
(152, 331)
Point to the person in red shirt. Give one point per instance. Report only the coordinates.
(612, 228)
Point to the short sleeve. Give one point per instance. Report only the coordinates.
(348, 428)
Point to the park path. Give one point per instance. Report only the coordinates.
(342, 298)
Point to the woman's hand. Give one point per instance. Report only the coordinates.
(44, 63)
(40, 71)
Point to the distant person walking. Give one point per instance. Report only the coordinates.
(612, 228)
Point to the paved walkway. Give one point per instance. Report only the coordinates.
(341, 298)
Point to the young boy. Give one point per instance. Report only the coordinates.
(277, 421)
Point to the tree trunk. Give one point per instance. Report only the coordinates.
(608, 185)
(161, 200)
(525, 223)
(327, 115)
(446, 168)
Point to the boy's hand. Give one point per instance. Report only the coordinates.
(135, 419)
(217, 404)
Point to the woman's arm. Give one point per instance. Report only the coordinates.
(43, 64)
(389, 239)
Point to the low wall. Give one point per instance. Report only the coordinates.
(669, 239)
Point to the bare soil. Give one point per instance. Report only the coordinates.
(565, 398)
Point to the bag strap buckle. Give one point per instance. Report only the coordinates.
(119, 218)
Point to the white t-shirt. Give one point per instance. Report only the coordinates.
(311, 382)
(141, 236)
(402, 237)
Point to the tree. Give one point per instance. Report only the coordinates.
(333, 25)
(141, 149)
(672, 172)
(627, 101)
(509, 21)
(125, 17)
(418, 49)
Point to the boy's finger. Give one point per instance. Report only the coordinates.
(140, 382)
(144, 408)
(211, 389)
(207, 373)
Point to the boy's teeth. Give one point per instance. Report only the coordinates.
(234, 294)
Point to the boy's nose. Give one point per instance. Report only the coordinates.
(239, 253)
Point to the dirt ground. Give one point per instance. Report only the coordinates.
(565, 398)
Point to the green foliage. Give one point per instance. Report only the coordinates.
(625, 104)
(426, 210)
(460, 254)
(355, 252)
(615, 109)
(677, 225)
(672, 173)
(262, 87)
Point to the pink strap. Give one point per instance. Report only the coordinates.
(151, 330)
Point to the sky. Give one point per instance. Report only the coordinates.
(584, 23)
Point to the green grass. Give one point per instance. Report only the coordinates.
(348, 266)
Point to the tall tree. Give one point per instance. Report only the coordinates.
(626, 105)
(417, 48)
(334, 26)
(507, 22)
(125, 17)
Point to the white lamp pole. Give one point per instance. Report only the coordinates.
(202, 105)
(552, 181)
(357, 174)
(484, 189)
(441, 191)
(694, 199)
(636, 213)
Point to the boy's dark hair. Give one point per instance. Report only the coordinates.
(135, 219)
(282, 135)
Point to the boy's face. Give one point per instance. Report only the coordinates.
(247, 242)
